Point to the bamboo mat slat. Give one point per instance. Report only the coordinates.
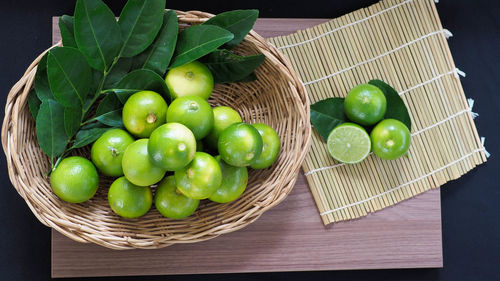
(404, 44)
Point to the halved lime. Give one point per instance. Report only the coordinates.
(349, 143)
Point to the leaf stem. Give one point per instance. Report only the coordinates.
(88, 121)
(59, 159)
(85, 111)
(99, 91)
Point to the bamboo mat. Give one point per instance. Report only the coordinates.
(404, 44)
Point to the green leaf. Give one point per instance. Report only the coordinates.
(97, 33)
(72, 120)
(85, 137)
(67, 31)
(227, 67)
(121, 68)
(396, 108)
(50, 128)
(42, 86)
(112, 118)
(198, 40)
(158, 55)
(97, 76)
(123, 94)
(33, 103)
(109, 111)
(92, 126)
(238, 22)
(109, 103)
(69, 75)
(139, 80)
(140, 21)
(327, 114)
(251, 77)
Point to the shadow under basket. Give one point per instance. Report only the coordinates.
(276, 98)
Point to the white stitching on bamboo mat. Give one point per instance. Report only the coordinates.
(446, 32)
(455, 72)
(344, 26)
(405, 184)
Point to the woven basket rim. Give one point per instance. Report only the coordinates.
(11, 137)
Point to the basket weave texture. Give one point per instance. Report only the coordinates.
(276, 98)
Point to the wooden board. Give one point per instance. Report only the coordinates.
(289, 237)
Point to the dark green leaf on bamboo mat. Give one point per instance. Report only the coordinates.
(50, 131)
(42, 86)
(139, 80)
(97, 33)
(67, 31)
(121, 68)
(33, 103)
(140, 21)
(70, 76)
(72, 120)
(157, 56)
(198, 40)
(112, 118)
(396, 108)
(87, 136)
(238, 22)
(327, 114)
(227, 67)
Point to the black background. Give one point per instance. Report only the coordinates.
(471, 209)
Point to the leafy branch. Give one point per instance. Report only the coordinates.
(80, 88)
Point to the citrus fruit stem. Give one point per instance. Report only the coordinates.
(193, 106)
(114, 152)
(189, 75)
(151, 118)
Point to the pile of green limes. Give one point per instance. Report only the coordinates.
(365, 105)
(190, 150)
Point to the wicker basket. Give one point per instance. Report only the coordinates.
(277, 98)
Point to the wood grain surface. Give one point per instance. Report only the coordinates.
(289, 237)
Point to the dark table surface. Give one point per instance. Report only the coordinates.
(470, 205)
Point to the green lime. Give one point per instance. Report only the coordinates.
(129, 200)
(191, 79)
(365, 104)
(171, 203)
(234, 182)
(270, 148)
(75, 180)
(107, 151)
(171, 146)
(224, 116)
(240, 144)
(200, 178)
(349, 143)
(137, 166)
(390, 139)
(193, 112)
(143, 112)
